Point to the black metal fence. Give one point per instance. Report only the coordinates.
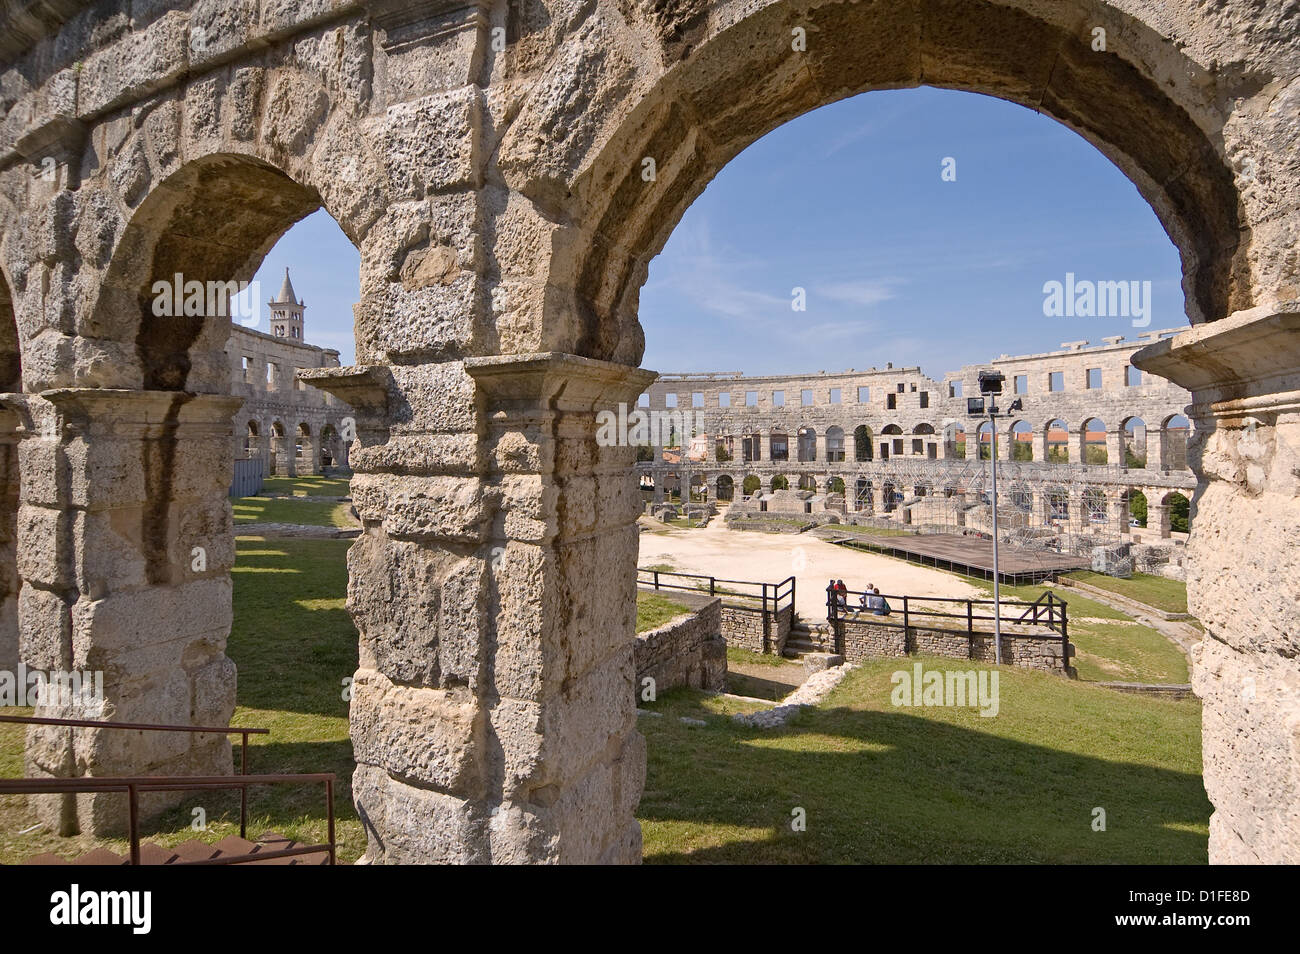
(950, 615)
(742, 594)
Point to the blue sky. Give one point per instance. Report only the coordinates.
(848, 202)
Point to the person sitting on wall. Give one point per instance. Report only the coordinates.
(879, 605)
(863, 604)
(842, 594)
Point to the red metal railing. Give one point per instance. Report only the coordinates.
(132, 786)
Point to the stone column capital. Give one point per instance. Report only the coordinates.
(565, 382)
(109, 410)
(1250, 354)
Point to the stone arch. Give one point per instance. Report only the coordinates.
(954, 439)
(834, 444)
(1137, 106)
(1133, 442)
(281, 460)
(1020, 441)
(1056, 441)
(1175, 432)
(862, 449)
(1093, 447)
(252, 440)
(305, 453)
(806, 482)
(726, 487)
(779, 444)
(779, 482)
(211, 223)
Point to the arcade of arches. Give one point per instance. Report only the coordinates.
(505, 227)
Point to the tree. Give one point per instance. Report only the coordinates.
(1179, 513)
(750, 485)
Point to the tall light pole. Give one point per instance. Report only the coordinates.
(997, 590)
(990, 383)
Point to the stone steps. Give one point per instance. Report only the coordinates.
(191, 851)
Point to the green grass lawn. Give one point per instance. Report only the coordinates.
(307, 486)
(1164, 594)
(653, 610)
(883, 784)
(1110, 645)
(314, 513)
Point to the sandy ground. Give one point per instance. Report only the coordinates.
(771, 557)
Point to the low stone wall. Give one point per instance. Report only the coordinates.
(863, 640)
(743, 628)
(687, 651)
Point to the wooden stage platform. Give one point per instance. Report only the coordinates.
(970, 555)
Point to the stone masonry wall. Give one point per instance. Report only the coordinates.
(687, 651)
(743, 627)
(864, 640)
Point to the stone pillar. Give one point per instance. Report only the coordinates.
(1005, 440)
(1158, 518)
(1244, 375)
(493, 713)
(1119, 505)
(1156, 448)
(1115, 447)
(125, 548)
(820, 447)
(1040, 446)
(9, 582)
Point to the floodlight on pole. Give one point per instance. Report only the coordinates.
(990, 383)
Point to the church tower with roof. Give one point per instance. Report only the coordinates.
(286, 312)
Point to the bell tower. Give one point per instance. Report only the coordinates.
(286, 312)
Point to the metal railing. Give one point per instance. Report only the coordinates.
(768, 600)
(132, 786)
(769, 596)
(955, 615)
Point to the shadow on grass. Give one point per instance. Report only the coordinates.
(890, 787)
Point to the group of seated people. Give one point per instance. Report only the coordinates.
(869, 600)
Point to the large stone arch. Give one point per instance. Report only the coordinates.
(732, 76)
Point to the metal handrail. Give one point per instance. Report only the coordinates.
(243, 732)
(135, 784)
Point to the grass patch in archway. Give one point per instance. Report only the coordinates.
(885, 784)
(312, 513)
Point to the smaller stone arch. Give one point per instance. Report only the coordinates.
(281, 459)
(1056, 441)
(306, 458)
(1092, 442)
(252, 440)
(1020, 441)
(779, 443)
(780, 482)
(1175, 434)
(726, 487)
(834, 445)
(1133, 443)
(862, 449)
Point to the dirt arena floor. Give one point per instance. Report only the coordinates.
(771, 557)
